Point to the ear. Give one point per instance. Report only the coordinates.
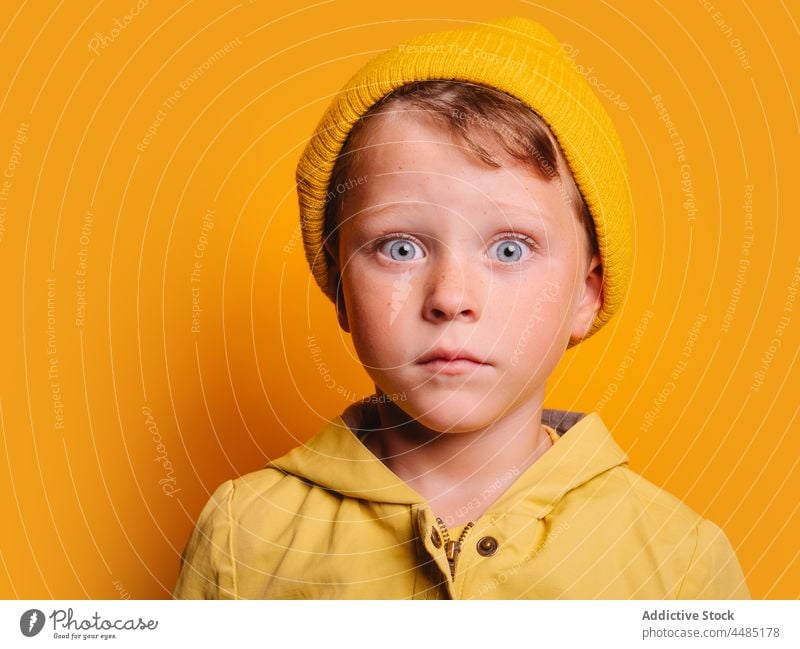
(335, 284)
(590, 299)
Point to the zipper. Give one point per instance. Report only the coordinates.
(453, 548)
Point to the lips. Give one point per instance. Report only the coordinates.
(447, 356)
(445, 362)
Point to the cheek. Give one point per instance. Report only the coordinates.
(536, 310)
(368, 302)
(532, 292)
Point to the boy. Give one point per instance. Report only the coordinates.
(464, 203)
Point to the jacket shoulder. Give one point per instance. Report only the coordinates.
(656, 501)
(241, 516)
(206, 566)
(269, 486)
(712, 570)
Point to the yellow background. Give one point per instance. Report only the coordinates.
(117, 419)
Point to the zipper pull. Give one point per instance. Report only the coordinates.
(453, 548)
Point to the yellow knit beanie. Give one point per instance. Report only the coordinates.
(523, 59)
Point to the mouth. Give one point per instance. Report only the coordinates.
(444, 361)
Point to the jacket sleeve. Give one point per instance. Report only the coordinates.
(207, 564)
(713, 572)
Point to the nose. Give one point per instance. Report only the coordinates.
(452, 289)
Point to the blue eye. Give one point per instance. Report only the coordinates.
(401, 249)
(508, 250)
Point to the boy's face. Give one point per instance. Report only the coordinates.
(439, 252)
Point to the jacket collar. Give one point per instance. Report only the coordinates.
(337, 460)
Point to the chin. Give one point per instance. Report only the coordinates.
(456, 414)
(453, 423)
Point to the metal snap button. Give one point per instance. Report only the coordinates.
(487, 546)
(436, 539)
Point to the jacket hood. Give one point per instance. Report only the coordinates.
(337, 460)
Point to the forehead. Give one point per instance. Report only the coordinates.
(403, 157)
(398, 135)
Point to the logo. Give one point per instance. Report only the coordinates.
(31, 622)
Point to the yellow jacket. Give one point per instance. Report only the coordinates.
(330, 520)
